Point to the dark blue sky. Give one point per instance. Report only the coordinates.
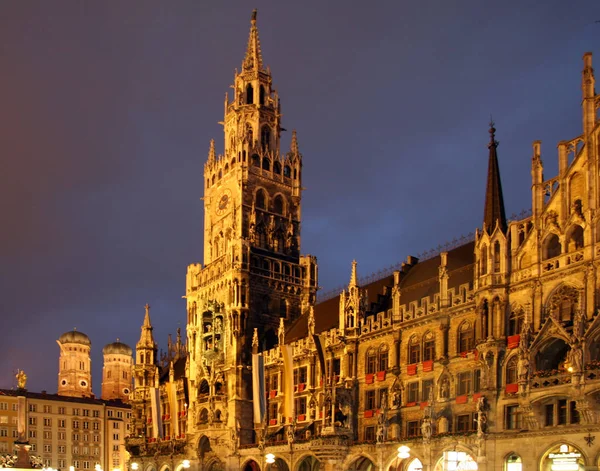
(107, 110)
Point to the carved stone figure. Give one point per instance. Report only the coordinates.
(523, 365)
(21, 379)
(426, 429)
(575, 357)
(445, 389)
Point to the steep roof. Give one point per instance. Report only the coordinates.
(420, 281)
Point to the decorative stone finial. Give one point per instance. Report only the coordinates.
(255, 338)
(294, 145)
(211, 151)
(353, 277)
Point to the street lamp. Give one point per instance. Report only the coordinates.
(135, 466)
(270, 459)
(71, 468)
(403, 452)
(186, 464)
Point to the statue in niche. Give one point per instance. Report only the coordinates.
(575, 357)
(481, 417)
(426, 429)
(445, 389)
(523, 365)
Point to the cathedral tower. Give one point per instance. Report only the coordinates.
(74, 365)
(116, 372)
(253, 273)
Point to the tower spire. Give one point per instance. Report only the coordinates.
(494, 202)
(146, 337)
(253, 58)
(294, 145)
(353, 276)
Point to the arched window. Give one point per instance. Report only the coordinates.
(575, 238)
(383, 358)
(414, 350)
(278, 205)
(513, 463)
(466, 337)
(207, 182)
(226, 169)
(277, 168)
(213, 179)
(266, 164)
(428, 346)
(483, 260)
(497, 257)
(261, 200)
(515, 321)
(265, 137)
(551, 247)
(249, 94)
(371, 361)
(511, 371)
(262, 95)
(287, 171)
(255, 160)
(563, 304)
(220, 174)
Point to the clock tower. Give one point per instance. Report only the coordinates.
(253, 274)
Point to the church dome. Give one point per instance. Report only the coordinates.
(117, 348)
(75, 336)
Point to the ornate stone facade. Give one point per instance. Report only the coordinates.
(474, 358)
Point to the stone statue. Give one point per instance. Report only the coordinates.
(380, 437)
(481, 418)
(426, 429)
(445, 389)
(21, 379)
(575, 357)
(523, 365)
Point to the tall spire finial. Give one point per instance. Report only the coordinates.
(211, 151)
(353, 277)
(493, 213)
(294, 145)
(253, 59)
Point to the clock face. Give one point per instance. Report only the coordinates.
(223, 202)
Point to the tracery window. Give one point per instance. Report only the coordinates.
(414, 350)
(371, 361)
(552, 247)
(428, 346)
(466, 337)
(515, 321)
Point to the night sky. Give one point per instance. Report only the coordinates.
(107, 109)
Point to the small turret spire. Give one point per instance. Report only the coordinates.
(253, 58)
(211, 151)
(294, 145)
(494, 202)
(146, 337)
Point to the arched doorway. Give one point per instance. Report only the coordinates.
(562, 457)
(456, 461)
(362, 464)
(414, 465)
(309, 463)
(251, 466)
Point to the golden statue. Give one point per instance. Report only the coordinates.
(21, 379)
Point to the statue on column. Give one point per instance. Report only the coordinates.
(21, 379)
(481, 417)
(523, 365)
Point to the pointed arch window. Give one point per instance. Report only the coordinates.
(255, 160)
(262, 95)
(277, 168)
(466, 337)
(515, 321)
(483, 260)
(496, 257)
(428, 346)
(552, 247)
(249, 94)
(261, 200)
(511, 370)
(383, 360)
(371, 361)
(266, 164)
(278, 205)
(265, 137)
(575, 238)
(414, 350)
(513, 463)
(287, 171)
